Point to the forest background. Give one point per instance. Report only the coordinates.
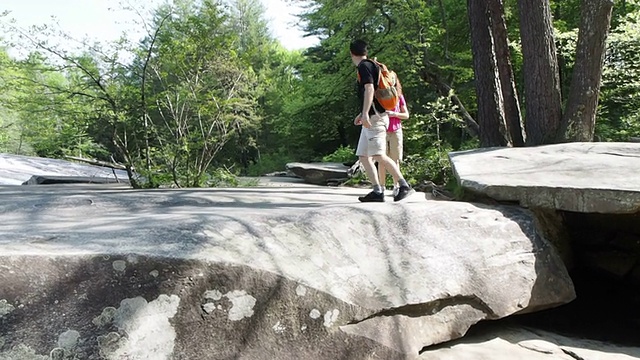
(208, 94)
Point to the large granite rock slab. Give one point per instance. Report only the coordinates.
(505, 341)
(18, 169)
(580, 177)
(259, 273)
(52, 179)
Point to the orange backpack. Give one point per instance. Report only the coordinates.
(385, 90)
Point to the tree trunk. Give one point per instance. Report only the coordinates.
(490, 105)
(443, 15)
(513, 117)
(543, 102)
(579, 119)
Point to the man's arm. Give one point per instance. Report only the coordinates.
(366, 104)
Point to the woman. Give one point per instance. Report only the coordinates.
(394, 135)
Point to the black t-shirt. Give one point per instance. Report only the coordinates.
(368, 73)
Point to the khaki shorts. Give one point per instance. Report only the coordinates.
(373, 141)
(394, 145)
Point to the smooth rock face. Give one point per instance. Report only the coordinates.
(506, 342)
(17, 169)
(259, 273)
(580, 177)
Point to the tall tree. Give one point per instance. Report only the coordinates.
(203, 92)
(11, 134)
(578, 123)
(541, 70)
(260, 53)
(511, 103)
(491, 117)
(543, 102)
(246, 18)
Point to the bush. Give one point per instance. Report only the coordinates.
(222, 177)
(343, 154)
(433, 165)
(268, 163)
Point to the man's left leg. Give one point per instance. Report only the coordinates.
(405, 189)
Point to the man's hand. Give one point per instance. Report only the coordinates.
(364, 119)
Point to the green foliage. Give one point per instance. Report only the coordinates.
(41, 115)
(269, 162)
(618, 117)
(566, 14)
(343, 154)
(430, 126)
(189, 90)
(222, 177)
(10, 129)
(9, 125)
(10, 134)
(432, 165)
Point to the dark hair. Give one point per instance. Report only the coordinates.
(359, 48)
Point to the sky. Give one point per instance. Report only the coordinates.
(98, 19)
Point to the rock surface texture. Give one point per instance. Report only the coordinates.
(579, 177)
(258, 273)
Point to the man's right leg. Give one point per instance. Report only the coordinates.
(377, 195)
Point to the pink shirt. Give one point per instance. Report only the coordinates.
(395, 123)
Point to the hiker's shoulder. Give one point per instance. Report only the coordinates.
(366, 64)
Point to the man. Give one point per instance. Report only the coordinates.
(372, 145)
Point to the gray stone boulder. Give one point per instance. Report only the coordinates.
(52, 179)
(322, 173)
(259, 273)
(579, 177)
(508, 342)
(29, 170)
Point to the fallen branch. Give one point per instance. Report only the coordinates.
(98, 162)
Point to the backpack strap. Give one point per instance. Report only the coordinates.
(375, 63)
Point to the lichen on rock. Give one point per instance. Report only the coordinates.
(5, 308)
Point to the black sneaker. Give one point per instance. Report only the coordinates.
(372, 197)
(403, 192)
